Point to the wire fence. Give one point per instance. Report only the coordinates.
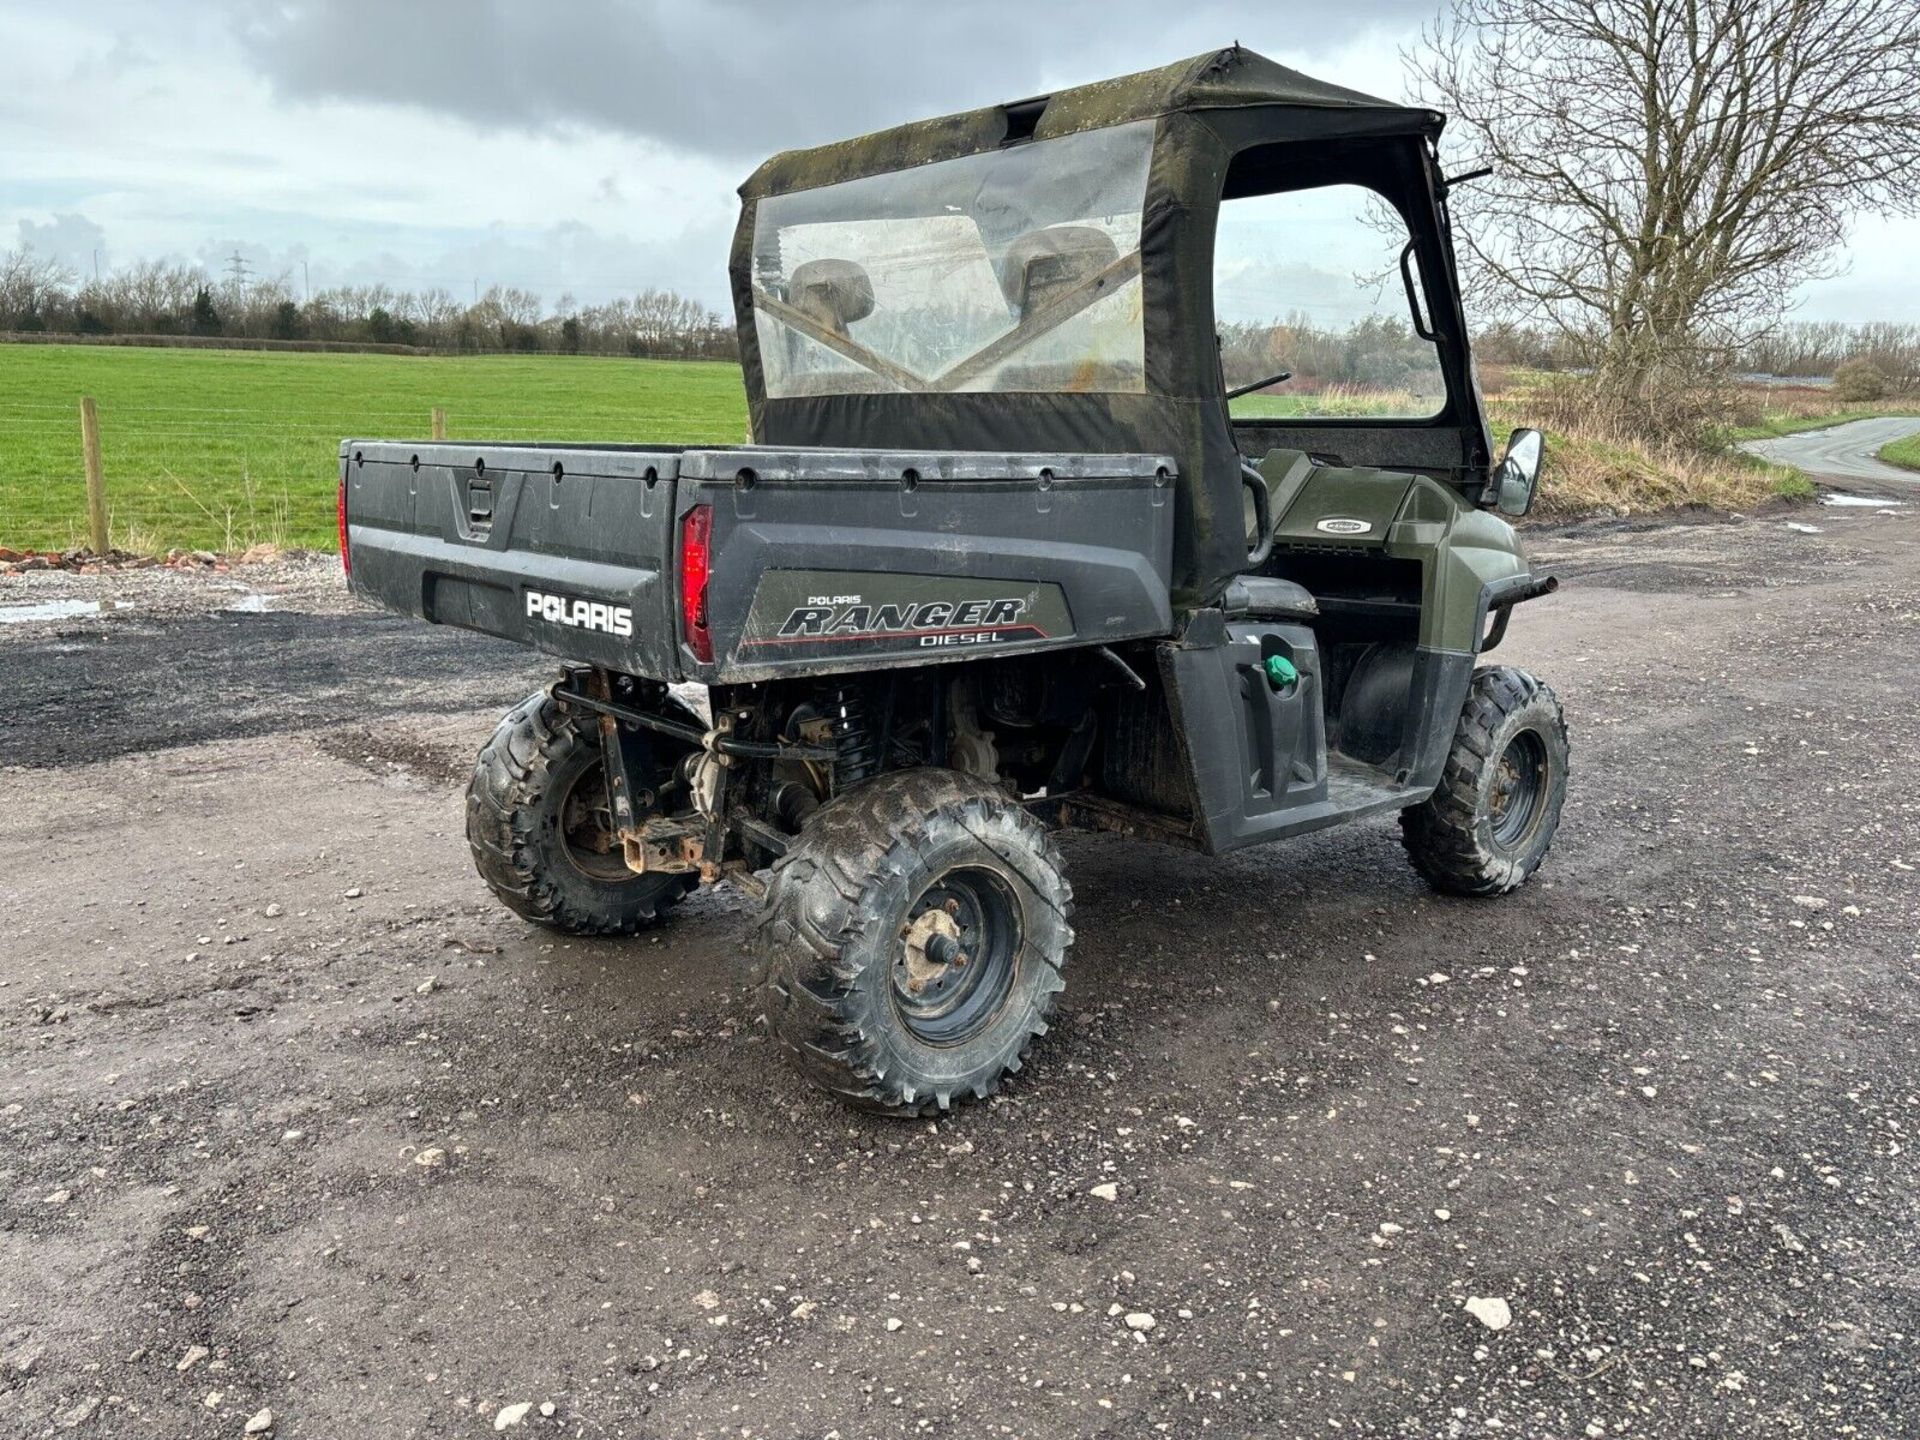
(210, 480)
(204, 453)
(211, 477)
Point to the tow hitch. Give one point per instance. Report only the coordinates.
(692, 841)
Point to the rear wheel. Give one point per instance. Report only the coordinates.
(1492, 819)
(912, 941)
(542, 832)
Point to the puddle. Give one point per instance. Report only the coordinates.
(247, 600)
(1800, 529)
(1841, 499)
(58, 610)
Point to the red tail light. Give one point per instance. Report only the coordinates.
(346, 554)
(696, 539)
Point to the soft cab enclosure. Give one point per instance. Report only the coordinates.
(1088, 218)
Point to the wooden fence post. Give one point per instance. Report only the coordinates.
(439, 423)
(96, 479)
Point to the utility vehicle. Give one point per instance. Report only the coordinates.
(1010, 552)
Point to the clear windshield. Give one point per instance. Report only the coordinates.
(1016, 270)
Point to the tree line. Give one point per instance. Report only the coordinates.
(38, 295)
(1381, 352)
(1821, 347)
(161, 299)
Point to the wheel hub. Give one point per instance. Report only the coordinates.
(1519, 784)
(932, 950)
(1504, 781)
(956, 958)
(586, 828)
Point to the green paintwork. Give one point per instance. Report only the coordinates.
(1461, 548)
(1344, 508)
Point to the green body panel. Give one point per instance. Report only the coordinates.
(1461, 548)
(1344, 507)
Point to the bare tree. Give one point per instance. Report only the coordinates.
(1666, 172)
(29, 284)
(438, 312)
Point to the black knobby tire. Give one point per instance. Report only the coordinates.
(859, 980)
(1489, 824)
(534, 779)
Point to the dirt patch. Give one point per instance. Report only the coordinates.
(399, 754)
(332, 1133)
(143, 681)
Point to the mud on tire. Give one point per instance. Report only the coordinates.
(887, 887)
(530, 805)
(1491, 820)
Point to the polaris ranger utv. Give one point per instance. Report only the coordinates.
(1008, 554)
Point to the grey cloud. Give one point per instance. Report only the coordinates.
(741, 78)
(72, 240)
(565, 258)
(591, 265)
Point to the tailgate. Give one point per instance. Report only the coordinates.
(829, 561)
(564, 548)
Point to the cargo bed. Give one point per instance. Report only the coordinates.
(816, 560)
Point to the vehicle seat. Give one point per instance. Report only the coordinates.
(1042, 264)
(832, 293)
(1267, 597)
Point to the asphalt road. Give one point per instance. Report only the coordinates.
(1844, 452)
(295, 1118)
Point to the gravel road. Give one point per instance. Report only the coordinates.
(1844, 452)
(296, 1120)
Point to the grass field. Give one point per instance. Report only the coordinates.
(1903, 452)
(222, 449)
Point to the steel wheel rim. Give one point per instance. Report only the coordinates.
(957, 956)
(1518, 796)
(586, 828)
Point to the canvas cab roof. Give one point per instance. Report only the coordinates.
(1231, 79)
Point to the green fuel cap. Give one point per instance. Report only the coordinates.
(1280, 672)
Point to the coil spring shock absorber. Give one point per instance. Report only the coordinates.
(855, 742)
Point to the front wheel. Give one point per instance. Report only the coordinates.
(912, 941)
(1489, 824)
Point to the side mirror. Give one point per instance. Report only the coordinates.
(1518, 476)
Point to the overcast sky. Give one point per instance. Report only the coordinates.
(590, 147)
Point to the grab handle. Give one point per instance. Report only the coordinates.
(1253, 480)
